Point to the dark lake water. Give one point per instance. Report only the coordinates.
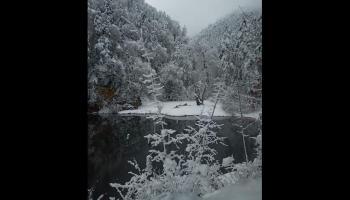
(114, 139)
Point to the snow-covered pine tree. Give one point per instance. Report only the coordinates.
(149, 183)
(154, 87)
(219, 92)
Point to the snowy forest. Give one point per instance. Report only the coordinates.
(144, 68)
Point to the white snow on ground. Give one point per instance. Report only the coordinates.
(254, 115)
(178, 196)
(148, 108)
(184, 108)
(245, 190)
(180, 108)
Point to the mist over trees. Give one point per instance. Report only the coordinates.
(127, 39)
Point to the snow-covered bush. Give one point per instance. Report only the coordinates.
(154, 87)
(149, 183)
(196, 171)
(200, 165)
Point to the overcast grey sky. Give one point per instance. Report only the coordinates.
(198, 14)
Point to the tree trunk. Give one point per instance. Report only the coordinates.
(198, 100)
(202, 98)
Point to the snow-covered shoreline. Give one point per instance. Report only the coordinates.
(184, 109)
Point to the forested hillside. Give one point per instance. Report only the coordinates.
(230, 52)
(128, 39)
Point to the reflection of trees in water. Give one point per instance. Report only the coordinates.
(100, 145)
(235, 140)
(108, 146)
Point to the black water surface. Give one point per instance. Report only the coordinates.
(114, 139)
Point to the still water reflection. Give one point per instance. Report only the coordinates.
(113, 140)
